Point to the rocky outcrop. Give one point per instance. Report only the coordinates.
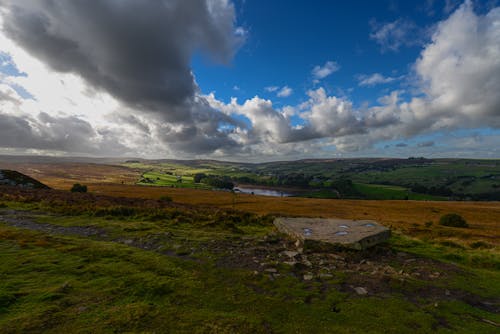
(16, 179)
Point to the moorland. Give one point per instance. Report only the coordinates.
(170, 256)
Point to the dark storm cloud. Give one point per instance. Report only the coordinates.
(138, 51)
(46, 132)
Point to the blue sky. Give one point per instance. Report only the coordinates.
(251, 80)
(286, 40)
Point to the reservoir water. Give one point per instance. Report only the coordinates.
(262, 192)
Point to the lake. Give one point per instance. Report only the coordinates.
(262, 192)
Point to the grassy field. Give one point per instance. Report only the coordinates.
(167, 180)
(385, 192)
(82, 263)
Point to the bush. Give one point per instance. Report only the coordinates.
(166, 198)
(453, 220)
(78, 188)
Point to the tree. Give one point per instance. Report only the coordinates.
(78, 188)
(453, 220)
(198, 177)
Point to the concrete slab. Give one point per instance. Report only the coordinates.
(354, 234)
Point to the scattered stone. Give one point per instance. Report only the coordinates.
(307, 263)
(81, 309)
(360, 290)
(290, 254)
(271, 270)
(308, 277)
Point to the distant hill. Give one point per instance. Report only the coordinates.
(13, 178)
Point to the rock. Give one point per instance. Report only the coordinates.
(307, 263)
(308, 277)
(336, 257)
(360, 290)
(290, 253)
(271, 270)
(354, 234)
(325, 275)
(290, 263)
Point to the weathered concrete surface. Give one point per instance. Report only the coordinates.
(354, 234)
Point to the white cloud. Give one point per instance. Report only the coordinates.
(321, 72)
(271, 89)
(391, 36)
(374, 79)
(285, 92)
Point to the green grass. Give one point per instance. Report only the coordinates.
(55, 283)
(166, 180)
(74, 285)
(385, 192)
(476, 179)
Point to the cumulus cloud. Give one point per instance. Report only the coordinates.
(460, 68)
(139, 52)
(321, 72)
(374, 79)
(136, 55)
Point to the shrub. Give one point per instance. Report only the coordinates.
(78, 188)
(480, 244)
(453, 220)
(166, 198)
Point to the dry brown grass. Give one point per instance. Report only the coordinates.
(408, 216)
(64, 175)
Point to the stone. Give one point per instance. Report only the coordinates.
(353, 234)
(271, 270)
(307, 263)
(308, 277)
(360, 290)
(290, 254)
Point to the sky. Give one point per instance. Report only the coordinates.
(250, 80)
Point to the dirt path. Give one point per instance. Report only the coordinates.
(24, 220)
